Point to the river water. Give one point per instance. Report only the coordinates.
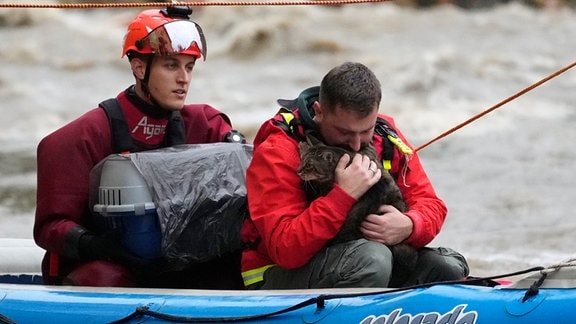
(507, 178)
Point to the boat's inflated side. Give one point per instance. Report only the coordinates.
(20, 256)
(531, 300)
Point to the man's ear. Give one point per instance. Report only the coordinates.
(317, 110)
(138, 67)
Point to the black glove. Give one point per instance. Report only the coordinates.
(107, 247)
(96, 247)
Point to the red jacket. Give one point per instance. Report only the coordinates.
(66, 157)
(287, 231)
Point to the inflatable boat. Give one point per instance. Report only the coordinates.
(544, 295)
(540, 295)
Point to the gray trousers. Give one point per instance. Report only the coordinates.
(363, 263)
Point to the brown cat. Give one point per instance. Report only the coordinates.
(318, 162)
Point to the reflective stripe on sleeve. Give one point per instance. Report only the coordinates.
(255, 275)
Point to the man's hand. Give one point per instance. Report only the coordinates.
(357, 177)
(389, 228)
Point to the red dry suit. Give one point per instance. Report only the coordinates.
(284, 229)
(66, 157)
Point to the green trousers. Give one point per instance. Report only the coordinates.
(363, 263)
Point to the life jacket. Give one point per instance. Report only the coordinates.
(121, 138)
(295, 126)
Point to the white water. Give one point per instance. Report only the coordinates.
(507, 178)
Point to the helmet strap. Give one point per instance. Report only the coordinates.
(144, 82)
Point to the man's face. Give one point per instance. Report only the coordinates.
(170, 79)
(345, 128)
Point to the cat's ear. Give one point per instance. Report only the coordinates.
(312, 138)
(303, 147)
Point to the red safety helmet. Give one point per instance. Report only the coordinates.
(165, 32)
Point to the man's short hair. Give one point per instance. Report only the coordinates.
(351, 86)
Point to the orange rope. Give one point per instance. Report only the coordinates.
(196, 3)
(518, 94)
(281, 3)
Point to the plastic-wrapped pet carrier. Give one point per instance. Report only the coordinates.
(125, 206)
(198, 192)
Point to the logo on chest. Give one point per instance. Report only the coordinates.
(147, 129)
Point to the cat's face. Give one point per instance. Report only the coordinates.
(318, 161)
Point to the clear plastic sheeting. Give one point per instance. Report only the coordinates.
(200, 195)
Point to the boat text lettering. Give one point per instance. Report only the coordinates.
(455, 316)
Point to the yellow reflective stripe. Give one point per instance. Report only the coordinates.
(400, 144)
(287, 117)
(387, 165)
(255, 275)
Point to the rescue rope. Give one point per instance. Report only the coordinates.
(6, 320)
(535, 287)
(564, 264)
(498, 105)
(183, 3)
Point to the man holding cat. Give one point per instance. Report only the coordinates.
(287, 236)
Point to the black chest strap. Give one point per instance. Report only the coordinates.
(121, 139)
(390, 140)
(123, 142)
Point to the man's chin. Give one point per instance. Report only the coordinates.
(174, 106)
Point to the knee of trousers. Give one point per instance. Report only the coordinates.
(443, 264)
(373, 260)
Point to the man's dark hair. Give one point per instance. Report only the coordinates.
(351, 86)
(133, 54)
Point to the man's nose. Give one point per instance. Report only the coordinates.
(183, 75)
(355, 143)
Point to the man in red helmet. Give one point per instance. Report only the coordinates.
(162, 47)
